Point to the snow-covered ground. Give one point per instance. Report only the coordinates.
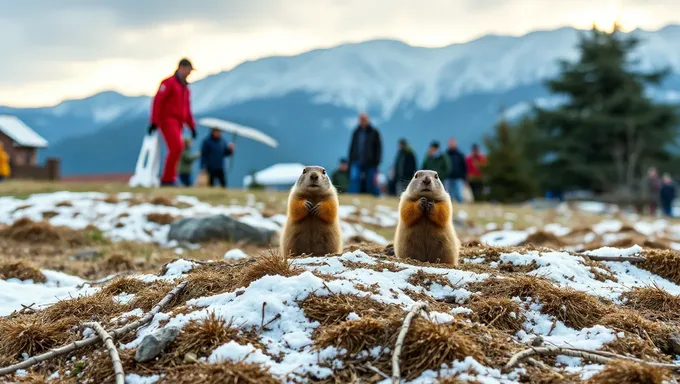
(123, 219)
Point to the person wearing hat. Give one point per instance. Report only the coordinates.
(171, 110)
(404, 166)
(340, 177)
(437, 161)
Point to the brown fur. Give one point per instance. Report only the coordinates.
(425, 230)
(313, 225)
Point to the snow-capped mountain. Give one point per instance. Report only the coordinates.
(453, 90)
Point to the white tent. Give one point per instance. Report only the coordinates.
(277, 175)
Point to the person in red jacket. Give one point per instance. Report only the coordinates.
(474, 162)
(171, 110)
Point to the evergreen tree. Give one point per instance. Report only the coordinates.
(608, 129)
(508, 173)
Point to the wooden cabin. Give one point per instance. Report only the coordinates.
(22, 144)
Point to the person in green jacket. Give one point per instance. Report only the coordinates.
(340, 177)
(437, 161)
(186, 162)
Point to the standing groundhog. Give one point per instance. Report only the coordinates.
(425, 229)
(313, 226)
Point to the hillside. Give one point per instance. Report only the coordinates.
(589, 297)
(453, 90)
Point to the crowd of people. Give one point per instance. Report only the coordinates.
(359, 173)
(660, 192)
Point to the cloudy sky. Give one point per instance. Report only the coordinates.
(53, 50)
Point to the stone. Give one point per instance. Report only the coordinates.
(87, 255)
(154, 343)
(190, 358)
(219, 227)
(674, 343)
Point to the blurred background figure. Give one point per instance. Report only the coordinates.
(437, 161)
(340, 177)
(474, 162)
(667, 194)
(455, 180)
(404, 166)
(186, 163)
(365, 154)
(213, 152)
(5, 170)
(651, 189)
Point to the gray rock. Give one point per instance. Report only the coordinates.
(219, 227)
(674, 342)
(154, 343)
(87, 254)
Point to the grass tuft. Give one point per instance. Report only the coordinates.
(21, 270)
(625, 372)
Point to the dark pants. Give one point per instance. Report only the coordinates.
(185, 179)
(219, 175)
(477, 188)
(355, 172)
(667, 207)
(2, 178)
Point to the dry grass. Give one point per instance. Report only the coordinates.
(208, 281)
(203, 336)
(222, 373)
(427, 345)
(118, 263)
(424, 279)
(31, 335)
(665, 263)
(28, 231)
(574, 308)
(149, 297)
(542, 238)
(271, 264)
(631, 322)
(21, 270)
(498, 312)
(334, 309)
(624, 372)
(124, 284)
(161, 218)
(162, 200)
(654, 299)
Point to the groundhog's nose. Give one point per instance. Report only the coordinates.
(314, 176)
(427, 180)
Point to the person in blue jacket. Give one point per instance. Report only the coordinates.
(213, 152)
(667, 195)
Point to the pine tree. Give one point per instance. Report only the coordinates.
(608, 129)
(508, 173)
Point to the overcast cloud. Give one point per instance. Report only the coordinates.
(72, 48)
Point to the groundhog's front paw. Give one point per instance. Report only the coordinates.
(309, 205)
(315, 210)
(425, 205)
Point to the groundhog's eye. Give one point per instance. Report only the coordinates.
(417, 174)
(304, 171)
(436, 176)
(323, 171)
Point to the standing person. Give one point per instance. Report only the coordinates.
(455, 180)
(365, 154)
(404, 166)
(667, 194)
(170, 112)
(652, 187)
(474, 162)
(5, 169)
(213, 152)
(340, 177)
(437, 161)
(186, 162)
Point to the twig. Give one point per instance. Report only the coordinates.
(376, 370)
(593, 356)
(417, 308)
(113, 352)
(68, 348)
(103, 280)
(630, 259)
(264, 304)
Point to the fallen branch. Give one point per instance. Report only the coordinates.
(116, 333)
(630, 259)
(396, 372)
(593, 356)
(113, 352)
(103, 280)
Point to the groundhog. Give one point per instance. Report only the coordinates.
(425, 228)
(313, 226)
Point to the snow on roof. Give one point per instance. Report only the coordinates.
(277, 174)
(20, 133)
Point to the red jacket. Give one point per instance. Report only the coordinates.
(172, 102)
(474, 163)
